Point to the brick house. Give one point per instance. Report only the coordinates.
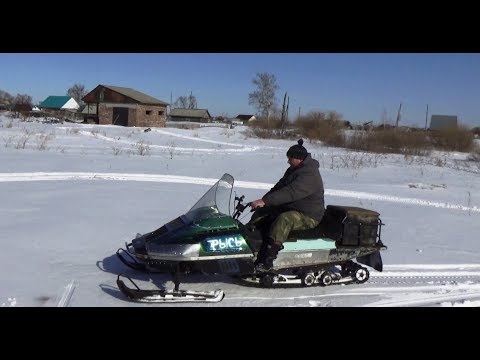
(124, 106)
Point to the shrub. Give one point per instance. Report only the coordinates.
(455, 139)
(390, 141)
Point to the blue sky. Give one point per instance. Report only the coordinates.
(361, 87)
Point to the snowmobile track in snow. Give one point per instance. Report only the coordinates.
(56, 176)
(429, 279)
(397, 286)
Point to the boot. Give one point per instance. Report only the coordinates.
(265, 262)
(261, 253)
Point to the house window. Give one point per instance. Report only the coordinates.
(160, 112)
(148, 112)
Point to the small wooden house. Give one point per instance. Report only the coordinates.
(195, 115)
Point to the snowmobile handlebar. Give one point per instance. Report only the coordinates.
(240, 207)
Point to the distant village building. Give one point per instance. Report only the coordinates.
(244, 118)
(195, 115)
(123, 106)
(59, 103)
(442, 122)
(64, 107)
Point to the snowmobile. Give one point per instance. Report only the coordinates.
(211, 240)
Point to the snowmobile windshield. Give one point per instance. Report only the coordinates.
(215, 202)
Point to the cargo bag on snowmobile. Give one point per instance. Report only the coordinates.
(350, 225)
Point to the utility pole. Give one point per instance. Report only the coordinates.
(298, 113)
(384, 117)
(426, 118)
(398, 115)
(284, 114)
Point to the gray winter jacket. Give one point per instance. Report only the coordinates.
(300, 189)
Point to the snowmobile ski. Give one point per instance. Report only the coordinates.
(167, 296)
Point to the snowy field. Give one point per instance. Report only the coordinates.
(72, 194)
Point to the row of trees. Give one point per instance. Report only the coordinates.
(10, 100)
(77, 91)
(186, 102)
(263, 98)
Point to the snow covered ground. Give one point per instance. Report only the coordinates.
(72, 194)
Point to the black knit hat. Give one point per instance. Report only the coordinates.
(297, 151)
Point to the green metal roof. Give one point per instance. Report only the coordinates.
(54, 102)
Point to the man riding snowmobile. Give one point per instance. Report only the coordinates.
(296, 202)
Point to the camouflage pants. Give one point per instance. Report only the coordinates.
(283, 223)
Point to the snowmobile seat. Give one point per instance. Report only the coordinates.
(347, 225)
(320, 231)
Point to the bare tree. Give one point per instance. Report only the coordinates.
(22, 104)
(23, 99)
(181, 102)
(192, 101)
(77, 91)
(333, 116)
(263, 98)
(186, 102)
(6, 98)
